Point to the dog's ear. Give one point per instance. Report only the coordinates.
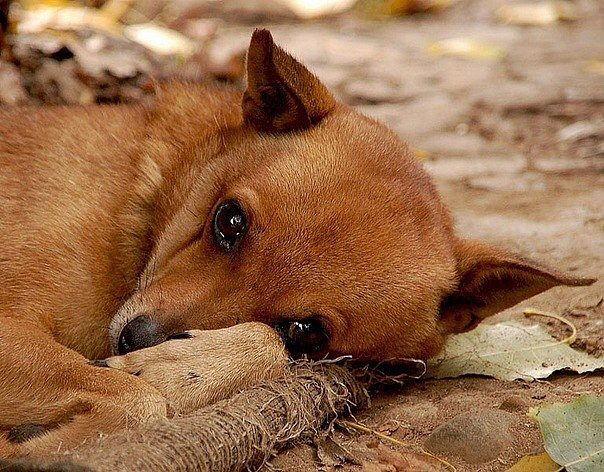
(281, 95)
(491, 280)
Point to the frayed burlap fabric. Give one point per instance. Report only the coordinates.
(236, 434)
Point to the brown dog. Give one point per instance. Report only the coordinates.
(125, 226)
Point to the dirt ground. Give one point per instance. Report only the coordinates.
(516, 149)
(515, 146)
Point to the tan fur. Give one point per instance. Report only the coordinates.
(212, 365)
(105, 215)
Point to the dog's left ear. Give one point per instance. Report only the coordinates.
(281, 95)
(491, 280)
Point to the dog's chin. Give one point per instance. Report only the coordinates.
(124, 315)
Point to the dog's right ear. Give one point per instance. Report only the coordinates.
(282, 95)
(491, 280)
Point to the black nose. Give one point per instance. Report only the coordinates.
(143, 331)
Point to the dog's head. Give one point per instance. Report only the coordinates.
(318, 221)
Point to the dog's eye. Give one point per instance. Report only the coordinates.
(303, 337)
(230, 224)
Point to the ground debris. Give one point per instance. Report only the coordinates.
(535, 463)
(509, 351)
(331, 454)
(538, 13)
(83, 55)
(573, 432)
(466, 47)
(389, 460)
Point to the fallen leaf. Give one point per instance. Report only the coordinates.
(389, 427)
(331, 454)
(421, 154)
(466, 47)
(387, 8)
(65, 19)
(317, 8)
(116, 9)
(160, 40)
(573, 432)
(535, 463)
(542, 13)
(31, 4)
(508, 351)
(594, 66)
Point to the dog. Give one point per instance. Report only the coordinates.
(128, 228)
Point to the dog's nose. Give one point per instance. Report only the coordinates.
(143, 331)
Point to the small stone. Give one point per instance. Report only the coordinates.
(514, 403)
(477, 436)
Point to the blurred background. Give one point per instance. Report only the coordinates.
(429, 68)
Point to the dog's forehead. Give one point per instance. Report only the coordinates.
(346, 155)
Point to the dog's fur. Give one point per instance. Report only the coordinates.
(106, 213)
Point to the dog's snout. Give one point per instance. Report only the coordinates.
(141, 332)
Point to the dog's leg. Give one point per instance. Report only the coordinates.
(45, 383)
(204, 367)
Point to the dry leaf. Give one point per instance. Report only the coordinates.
(160, 40)
(65, 19)
(466, 47)
(509, 351)
(331, 454)
(543, 13)
(573, 433)
(594, 66)
(420, 153)
(535, 463)
(387, 8)
(116, 9)
(317, 8)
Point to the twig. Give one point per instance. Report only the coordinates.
(568, 340)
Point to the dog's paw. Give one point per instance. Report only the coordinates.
(206, 366)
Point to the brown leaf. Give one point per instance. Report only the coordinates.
(331, 454)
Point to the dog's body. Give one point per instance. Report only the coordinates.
(335, 235)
